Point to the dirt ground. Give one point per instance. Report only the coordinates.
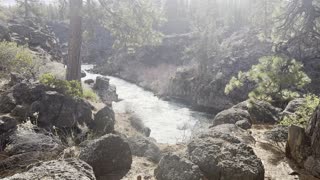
(272, 155)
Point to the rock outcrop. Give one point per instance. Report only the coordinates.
(106, 92)
(144, 147)
(222, 156)
(7, 126)
(35, 35)
(7, 103)
(68, 169)
(232, 130)
(204, 88)
(304, 145)
(110, 156)
(294, 105)
(26, 145)
(264, 112)
(172, 167)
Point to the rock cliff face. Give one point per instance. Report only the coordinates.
(38, 37)
(205, 90)
(96, 48)
(150, 67)
(304, 145)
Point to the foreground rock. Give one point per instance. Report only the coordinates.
(104, 121)
(27, 145)
(234, 131)
(61, 111)
(222, 156)
(174, 167)
(304, 145)
(68, 169)
(144, 147)
(7, 126)
(109, 156)
(106, 92)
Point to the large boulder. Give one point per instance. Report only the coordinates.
(230, 116)
(83, 74)
(110, 156)
(7, 103)
(264, 112)
(298, 145)
(89, 81)
(232, 130)
(106, 92)
(67, 169)
(61, 111)
(101, 83)
(7, 126)
(21, 30)
(174, 167)
(27, 145)
(293, 105)
(104, 121)
(144, 147)
(20, 112)
(222, 156)
(26, 93)
(138, 125)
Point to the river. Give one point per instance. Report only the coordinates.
(170, 122)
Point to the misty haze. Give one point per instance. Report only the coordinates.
(159, 89)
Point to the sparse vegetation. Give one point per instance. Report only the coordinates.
(14, 58)
(71, 88)
(90, 95)
(304, 112)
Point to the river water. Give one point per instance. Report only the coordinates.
(170, 122)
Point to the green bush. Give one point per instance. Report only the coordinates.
(90, 95)
(71, 88)
(303, 113)
(276, 79)
(14, 58)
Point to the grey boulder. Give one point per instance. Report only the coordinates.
(172, 166)
(230, 116)
(104, 121)
(110, 156)
(222, 156)
(144, 147)
(68, 169)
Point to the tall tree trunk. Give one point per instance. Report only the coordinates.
(75, 41)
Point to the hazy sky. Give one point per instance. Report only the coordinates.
(11, 2)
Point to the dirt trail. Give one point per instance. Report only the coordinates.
(272, 155)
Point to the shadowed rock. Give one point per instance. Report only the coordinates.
(110, 156)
